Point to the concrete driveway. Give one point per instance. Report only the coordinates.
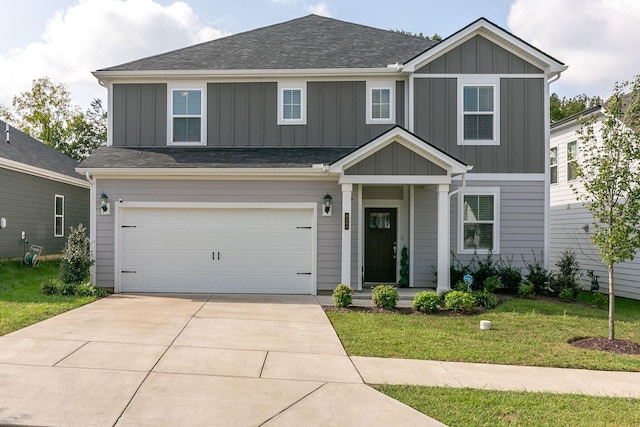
(151, 360)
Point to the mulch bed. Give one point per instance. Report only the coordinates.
(400, 310)
(605, 344)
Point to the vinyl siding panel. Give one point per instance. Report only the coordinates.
(479, 55)
(140, 115)
(395, 159)
(329, 228)
(28, 205)
(521, 148)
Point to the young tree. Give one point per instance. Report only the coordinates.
(566, 107)
(608, 170)
(87, 131)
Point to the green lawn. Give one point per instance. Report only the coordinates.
(22, 304)
(470, 407)
(524, 332)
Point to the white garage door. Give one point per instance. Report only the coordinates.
(216, 250)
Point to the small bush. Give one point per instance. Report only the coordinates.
(600, 300)
(457, 271)
(342, 296)
(385, 296)
(485, 299)
(67, 289)
(459, 301)
(50, 287)
(426, 302)
(461, 286)
(76, 260)
(510, 277)
(567, 275)
(486, 268)
(567, 295)
(526, 290)
(491, 284)
(538, 275)
(87, 290)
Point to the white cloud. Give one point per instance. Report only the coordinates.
(95, 34)
(597, 39)
(321, 9)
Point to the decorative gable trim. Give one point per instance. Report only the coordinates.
(409, 141)
(497, 35)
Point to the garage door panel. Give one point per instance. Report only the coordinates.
(254, 250)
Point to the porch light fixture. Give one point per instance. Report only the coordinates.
(103, 204)
(326, 205)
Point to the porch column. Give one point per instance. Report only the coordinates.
(346, 234)
(444, 231)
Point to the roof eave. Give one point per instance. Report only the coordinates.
(314, 171)
(43, 173)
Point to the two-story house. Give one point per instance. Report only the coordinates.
(294, 157)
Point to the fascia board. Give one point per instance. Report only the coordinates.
(174, 172)
(43, 173)
(497, 35)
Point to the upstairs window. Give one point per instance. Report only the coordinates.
(58, 216)
(478, 114)
(572, 158)
(380, 102)
(479, 221)
(187, 116)
(553, 165)
(292, 103)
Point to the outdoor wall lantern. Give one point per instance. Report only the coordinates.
(103, 204)
(326, 205)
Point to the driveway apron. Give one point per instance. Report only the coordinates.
(227, 360)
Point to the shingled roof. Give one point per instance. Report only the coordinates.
(24, 149)
(310, 42)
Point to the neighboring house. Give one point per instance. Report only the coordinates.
(41, 195)
(570, 220)
(294, 157)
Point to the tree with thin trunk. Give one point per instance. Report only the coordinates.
(608, 172)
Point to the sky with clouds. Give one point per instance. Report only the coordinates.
(67, 39)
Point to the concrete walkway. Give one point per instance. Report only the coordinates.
(136, 360)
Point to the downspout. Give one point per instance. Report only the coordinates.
(464, 184)
(92, 224)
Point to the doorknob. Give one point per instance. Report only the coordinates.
(395, 250)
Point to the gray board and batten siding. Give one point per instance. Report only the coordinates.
(244, 115)
(28, 205)
(329, 234)
(395, 159)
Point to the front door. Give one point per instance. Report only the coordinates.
(380, 245)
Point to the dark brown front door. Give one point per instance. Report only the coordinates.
(380, 245)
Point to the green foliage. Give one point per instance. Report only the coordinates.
(491, 284)
(538, 275)
(526, 290)
(459, 301)
(67, 288)
(567, 275)
(426, 302)
(567, 295)
(510, 277)
(385, 296)
(404, 268)
(600, 300)
(566, 107)
(485, 299)
(460, 286)
(86, 290)
(486, 268)
(436, 37)
(457, 271)
(50, 287)
(342, 296)
(76, 260)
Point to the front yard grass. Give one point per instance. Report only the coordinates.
(471, 407)
(523, 332)
(21, 302)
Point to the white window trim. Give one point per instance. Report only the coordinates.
(479, 80)
(551, 166)
(292, 85)
(56, 216)
(571, 160)
(381, 84)
(479, 191)
(202, 87)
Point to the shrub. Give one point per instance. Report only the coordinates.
(600, 300)
(491, 284)
(461, 286)
(485, 299)
(76, 261)
(426, 302)
(342, 296)
(567, 295)
(404, 268)
(87, 290)
(50, 287)
(537, 275)
(457, 271)
(486, 268)
(385, 296)
(526, 290)
(567, 275)
(459, 301)
(510, 277)
(67, 289)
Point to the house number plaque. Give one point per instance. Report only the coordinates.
(346, 220)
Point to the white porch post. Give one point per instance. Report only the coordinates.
(444, 231)
(346, 234)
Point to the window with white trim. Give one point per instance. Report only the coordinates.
(572, 158)
(553, 165)
(380, 102)
(478, 112)
(479, 221)
(58, 216)
(187, 115)
(292, 103)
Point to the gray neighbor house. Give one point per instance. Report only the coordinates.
(41, 195)
(297, 156)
